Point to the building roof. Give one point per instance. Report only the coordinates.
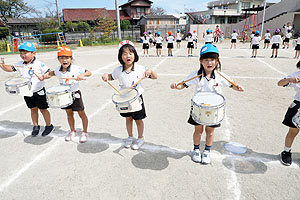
(11, 21)
(130, 2)
(88, 14)
(159, 17)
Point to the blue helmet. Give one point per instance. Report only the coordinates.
(178, 30)
(209, 48)
(208, 31)
(256, 32)
(158, 33)
(27, 46)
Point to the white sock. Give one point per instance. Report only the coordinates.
(287, 149)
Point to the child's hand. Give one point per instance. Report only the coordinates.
(148, 72)
(240, 88)
(173, 86)
(41, 77)
(80, 77)
(2, 62)
(105, 77)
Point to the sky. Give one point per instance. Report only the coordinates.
(171, 6)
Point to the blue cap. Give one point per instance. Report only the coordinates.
(27, 46)
(178, 30)
(158, 33)
(209, 48)
(256, 32)
(208, 31)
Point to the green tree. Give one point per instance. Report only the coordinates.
(70, 26)
(4, 31)
(83, 26)
(51, 24)
(107, 25)
(14, 8)
(125, 24)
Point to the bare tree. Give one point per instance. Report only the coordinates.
(157, 11)
(14, 8)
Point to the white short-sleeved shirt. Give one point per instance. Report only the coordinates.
(288, 35)
(159, 39)
(38, 67)
(208, 38)
(190, 39)
(252, 36)
(126, 80)
(151, 36)
(194, 35)
(295, 86)
(178, 36)
(145, 41)
(170, 39)
(73, 71)
(256, 40)
(205, 85)
(234, 36)
(276, 39)
(298, 41)
(267, 36)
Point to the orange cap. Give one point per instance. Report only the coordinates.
(64, 51)
(170, 33)
(194, 31)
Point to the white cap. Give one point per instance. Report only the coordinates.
(125, 42)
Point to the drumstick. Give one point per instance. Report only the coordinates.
(66, 78)
(183, 82)
(230, 81)
(136, 83)
(12, 65)
(113, 87)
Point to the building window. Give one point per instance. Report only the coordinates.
(245, 5)
(140, 12)
(232, 20)
(222, 20)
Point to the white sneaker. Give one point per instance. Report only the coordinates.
(196, 157)
(205, 157)
(84, 137)
(137, 144)
(70, 135)
(128, 142)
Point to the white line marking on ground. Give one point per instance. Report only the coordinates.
(163, 60)
(104, 67)
(11, 108)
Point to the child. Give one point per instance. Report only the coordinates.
(286, 41)
(128, 73)
(222, 37)
(68, 70)
(267, 39)
(234, 36)
(208, 38)
(276, 41)
(37, 102)
(150, 38)
(291, 80)
(297, 48)
(195, 38)
(145, 43)
(170, 46)
(190, 44)
(251, 37)
(158, 41)
(178, 38)
(209, 82)
(255, 44)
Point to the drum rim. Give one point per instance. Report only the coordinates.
(50, 106)
(210, 107)
(129, 101)
(60, 92)
(19, 84)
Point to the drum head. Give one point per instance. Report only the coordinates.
(125, 96)
(208, 98)
(57, 89)
(17, 81)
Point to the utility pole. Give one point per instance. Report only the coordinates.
(263, 19)
(118, 19)
(58, 18)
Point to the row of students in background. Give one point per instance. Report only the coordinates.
(37, 72)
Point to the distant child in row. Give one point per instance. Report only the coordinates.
(208, 38)
(146, 41)
(36, 102)
(195, 39)
(297, 48)
(286, 42)
(170, 45)
(267, 38)
(234, 36)
(69, 70)
(190, 44)
(255, 44)
(293, 81)
(158, 41)
(276, 41)
(251, 37)
(127, 74)
(178, 38)
(151, 39)
(210, 81)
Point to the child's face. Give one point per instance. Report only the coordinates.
(65, 61)
(209, 64)
(127, 57)
(27, 56)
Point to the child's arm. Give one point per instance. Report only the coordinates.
(87, 73)
(151, 74)
(6, 68)
(238, 88)
(286, 81)
(107, 77)
(177, 86)
(48, 75)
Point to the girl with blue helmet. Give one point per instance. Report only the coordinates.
(178, 38)
(208, 38)
(255, 44)
(209, 81)
(190, 44)
(158, 41)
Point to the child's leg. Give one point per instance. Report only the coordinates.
(71, 120)
(197, 134)
(34, 116)
(140, 128)
(255, 52)
(231, 45)
(84, 120)
(276, 52)
(147, 51)
(289, 139)
(46, 115)
(209, 135)
(129, 122)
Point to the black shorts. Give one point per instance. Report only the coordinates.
(138, 115)
(78, 102)
(154, 43)
(192, 122)
(267, 41)
(286, 40)
(146, 46)
(150, 40)
(170, 46)
(233, 40)
(159, 45)
(290, 113)
(37, 100)
(208, 42)
(275, 46)
(190, 45)
(297, 47)
(195, 41)
(178, 40)
(255, 46)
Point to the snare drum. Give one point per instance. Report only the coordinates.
(127, 101)
(19, 86)
(59, 96)
(208, 108)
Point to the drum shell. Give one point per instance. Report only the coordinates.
(59, 99)
(208, 115)
(132, 105)
(22, 89)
